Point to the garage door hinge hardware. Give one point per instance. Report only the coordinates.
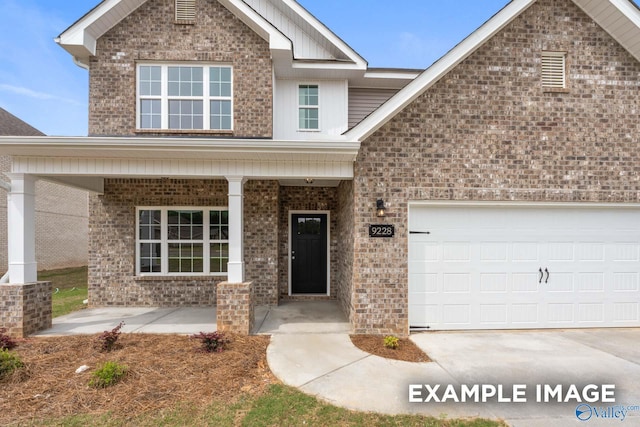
(419, 232)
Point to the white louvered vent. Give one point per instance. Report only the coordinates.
(554, 70)
(185, 10)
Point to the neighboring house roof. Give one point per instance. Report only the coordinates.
(620, 18)
(10, 125)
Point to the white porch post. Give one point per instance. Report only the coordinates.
(21, 230)
(236, 225)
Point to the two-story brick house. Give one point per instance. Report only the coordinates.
(235, 142)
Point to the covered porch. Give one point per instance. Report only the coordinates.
(174, 172)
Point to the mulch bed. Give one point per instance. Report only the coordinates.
(407, 351)
(162, 370)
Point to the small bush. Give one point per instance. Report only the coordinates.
(391, 342)
(106, 341)
(212, 342)
(9, 362)
(107, 375)
(6, 342)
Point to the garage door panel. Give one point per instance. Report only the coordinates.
(626, 312)
(494, 283)
(626, 282)
(479, 268)
(525, 314)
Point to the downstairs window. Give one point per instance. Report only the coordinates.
(182, 241)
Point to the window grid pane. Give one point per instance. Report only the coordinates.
(221, 115)
(185, 114)
(185, 258)
(185, 81)
(308, 118)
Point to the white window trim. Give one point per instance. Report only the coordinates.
(317, 107)
(206, 97)
(164, 240)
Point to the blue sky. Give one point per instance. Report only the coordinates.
(40, 83)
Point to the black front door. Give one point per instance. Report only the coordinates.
(309, 254)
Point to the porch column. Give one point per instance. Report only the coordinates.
(21, 230)
(236, 225)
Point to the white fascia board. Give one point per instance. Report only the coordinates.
(151, 147)
(360, 62)
(79, 39)
(251, 18)
(431, 75)
(625, 10)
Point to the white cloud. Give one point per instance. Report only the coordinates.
(18, 90)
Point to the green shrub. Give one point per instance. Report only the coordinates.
(9, 362)
(106, 341)
(107, 375)
(212, 342)
(391, 342)
(6, 342)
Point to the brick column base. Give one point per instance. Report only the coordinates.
(235, 307)
(25, 308)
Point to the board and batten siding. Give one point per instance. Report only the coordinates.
(364, 101)
(333, 109)
(307, 42)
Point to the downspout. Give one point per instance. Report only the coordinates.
(5, 186)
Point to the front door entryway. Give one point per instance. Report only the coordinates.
(309, 254)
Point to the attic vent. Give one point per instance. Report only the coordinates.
(554, 70)
(185, 10)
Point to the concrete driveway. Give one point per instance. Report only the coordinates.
(329, 366)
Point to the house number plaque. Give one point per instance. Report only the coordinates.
(381, 230)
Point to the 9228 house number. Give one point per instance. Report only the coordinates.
(381, 230)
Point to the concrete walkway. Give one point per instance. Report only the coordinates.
(330, 367)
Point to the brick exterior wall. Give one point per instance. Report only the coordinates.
(61, 224)
(25, 308)
(236, 308)
(345, 240)
(112, 251)
(487, 131)
(261, 239)
(307, 199)
(150, 34)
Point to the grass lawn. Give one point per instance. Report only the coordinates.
(71, 285)
(279, 406)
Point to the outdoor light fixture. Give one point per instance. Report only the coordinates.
(380, 209)
(309, 181)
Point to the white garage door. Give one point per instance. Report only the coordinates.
(476, 267)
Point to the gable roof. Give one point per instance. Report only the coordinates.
(279, 22)
(619, 18)
(10, 125)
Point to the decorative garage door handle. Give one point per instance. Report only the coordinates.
(546, 270)
(541, 275)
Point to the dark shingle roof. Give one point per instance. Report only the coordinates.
(10, 125)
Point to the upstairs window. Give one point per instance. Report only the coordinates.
(554, 70)
(185, 11)
(308, 107)
(180, 97)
